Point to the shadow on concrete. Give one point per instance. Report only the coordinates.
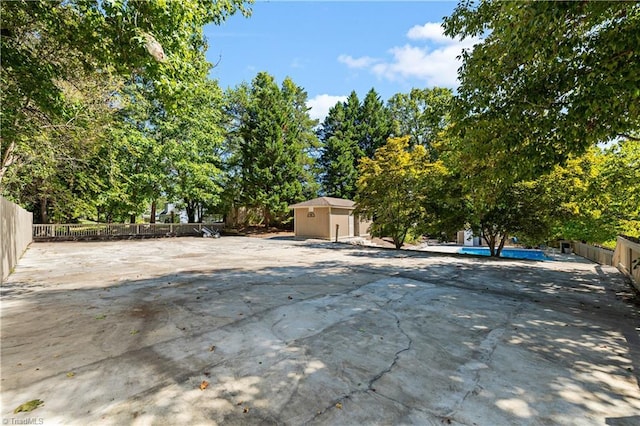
(330, 342)
(623, 421)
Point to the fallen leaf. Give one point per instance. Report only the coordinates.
(239, 403)
(212, 348)
(339, 405)
(245, 410)
(204, 385)
(132, 332)
(28, 406)
(71, 374)
(100, 317)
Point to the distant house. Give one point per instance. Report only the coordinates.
(326, 217)
(172, 213)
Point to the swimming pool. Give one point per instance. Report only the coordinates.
(508, 252)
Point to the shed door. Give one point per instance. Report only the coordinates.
(351, 226)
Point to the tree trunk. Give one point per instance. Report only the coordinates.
(267, 217)
(490, 238)
(132, 218)
(152, 219)
(44, 217)
(7, 159)
(398, 240)
(503, 240)
(191, 211)
(200, 213)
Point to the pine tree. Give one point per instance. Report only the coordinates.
(340, 149)
(374, 124)
(275, 133)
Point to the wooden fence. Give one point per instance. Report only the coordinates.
(105, 231)
(596, 254)
(625, 257)
(15, 235)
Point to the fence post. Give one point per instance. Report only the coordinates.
(337, 229)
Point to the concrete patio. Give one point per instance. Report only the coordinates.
(243, 330)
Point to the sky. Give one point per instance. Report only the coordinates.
(331, 48)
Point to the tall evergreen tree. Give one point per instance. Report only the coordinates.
(374, 124)
(340, 149)
(275, 132)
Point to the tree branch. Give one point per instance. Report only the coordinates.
(625, 135)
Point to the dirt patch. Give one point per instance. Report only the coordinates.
(144, 311)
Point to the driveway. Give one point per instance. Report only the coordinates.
(243, 330)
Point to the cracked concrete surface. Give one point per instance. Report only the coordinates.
(307, 332)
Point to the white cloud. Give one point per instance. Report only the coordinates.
(432, 58)
(432, 31)
(362, 62)
(321, 104)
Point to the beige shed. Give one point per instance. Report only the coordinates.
(324, 217)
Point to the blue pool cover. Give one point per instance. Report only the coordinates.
(510, 253)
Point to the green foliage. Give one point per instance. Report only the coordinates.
(351, 130)
(393, 188)
(374, 124)
(496, 208)
(421, 114)
(598, 193)
(192, 137)
(524, 210)
(56, 159)
(76, 140)
(274, 136)
(340, 150)
(530, 100)
(134, 172)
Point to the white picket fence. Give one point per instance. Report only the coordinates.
(98, 231)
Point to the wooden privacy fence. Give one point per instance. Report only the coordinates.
(105, 231)
(625, 257)
(599, 255)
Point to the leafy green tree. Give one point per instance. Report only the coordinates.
(393, 186)
(621, 174)
(192, 139)
(524, 210)
(236, 101)
(495, 207)
(275, 134)
(44, 44)
(421, 114)
(597, 194)
(544, 98)
(58, 177)
(136, 172)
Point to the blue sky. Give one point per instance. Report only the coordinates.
(331, 48)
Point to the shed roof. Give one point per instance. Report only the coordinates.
(326, 202)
